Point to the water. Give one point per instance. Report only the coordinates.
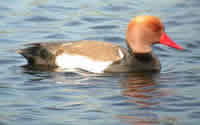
(38, 97)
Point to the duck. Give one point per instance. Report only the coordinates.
(99, 56)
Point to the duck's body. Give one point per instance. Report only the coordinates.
(92, 56)
(98, 56)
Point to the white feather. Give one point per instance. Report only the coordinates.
(81, 62)
(120, 54)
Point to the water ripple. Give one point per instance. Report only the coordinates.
(40, 19)
(44, 97)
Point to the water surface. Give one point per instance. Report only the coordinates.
(38, 97)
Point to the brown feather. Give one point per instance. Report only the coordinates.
(95, 50)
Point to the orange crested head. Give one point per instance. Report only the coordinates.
(143, 31)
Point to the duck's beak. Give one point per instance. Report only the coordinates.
(166, 40)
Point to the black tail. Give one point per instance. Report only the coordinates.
(36, 54)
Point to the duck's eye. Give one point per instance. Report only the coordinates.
(156, 27)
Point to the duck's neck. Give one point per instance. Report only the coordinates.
(141, 56)
(145, 61)
(144, 57)
(142, 60)
(139, 47)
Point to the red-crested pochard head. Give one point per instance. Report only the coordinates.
(144, 31)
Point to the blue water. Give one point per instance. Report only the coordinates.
(37, 97)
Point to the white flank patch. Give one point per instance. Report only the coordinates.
(120, 54)
(81, 62)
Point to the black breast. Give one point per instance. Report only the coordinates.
(144, 57)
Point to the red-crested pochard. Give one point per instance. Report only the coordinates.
(98, 57)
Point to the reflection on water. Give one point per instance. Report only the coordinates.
(61, 76)
(141, 87)
(48, 97)
(142, 90)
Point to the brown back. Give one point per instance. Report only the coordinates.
(95, 50)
